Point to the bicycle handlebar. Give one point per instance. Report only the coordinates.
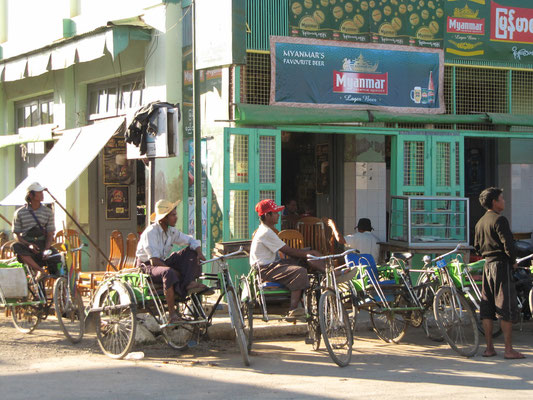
(519, 260)
(239, 251)
(48, 253)
(447, 254)
(311, 257)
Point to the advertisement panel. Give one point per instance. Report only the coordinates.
(403, 22)
(329, 74)
(500, 30)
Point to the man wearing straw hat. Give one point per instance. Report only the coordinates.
(33, 229)
(177, 271)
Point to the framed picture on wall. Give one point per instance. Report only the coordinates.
(117, 202)
(117, 168)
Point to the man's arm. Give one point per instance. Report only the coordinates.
(49, 240)
(157, 262)
(506, 236)
(18, 237)
(338, 237)
(298, 253)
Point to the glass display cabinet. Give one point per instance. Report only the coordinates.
(428, 222)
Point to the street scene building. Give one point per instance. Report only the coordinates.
(428, 98)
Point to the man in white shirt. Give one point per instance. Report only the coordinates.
(178, 271)
(362, 240)
(264, 252)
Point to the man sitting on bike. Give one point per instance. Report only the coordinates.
(264, 252)
(177, 271)
(33, 229)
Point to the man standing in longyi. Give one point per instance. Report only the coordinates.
(494, 241)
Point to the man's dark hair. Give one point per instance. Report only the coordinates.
(262, 217)
(488, 196)
(29, 196)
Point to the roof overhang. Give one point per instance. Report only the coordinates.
(113, 38)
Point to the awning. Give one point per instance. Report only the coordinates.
(69, 157)
(252, 114)
(82, 48)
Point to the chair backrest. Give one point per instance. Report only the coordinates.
(6, 251)
(365, 259)
(116, 251)
(131, 248)
(313, 234)
(292, 238)
(72, 238)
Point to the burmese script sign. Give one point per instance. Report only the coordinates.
(329, 74)
(500, 30)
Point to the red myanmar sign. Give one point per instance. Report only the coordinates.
(511, 24)
(356, 82)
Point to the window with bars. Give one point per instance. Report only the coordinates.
(267, 159)
(442, 173)
(115, 97)
(238, 159)
(238, 216)
(413, 163)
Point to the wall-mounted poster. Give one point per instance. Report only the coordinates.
(117, 168)
(117, 202)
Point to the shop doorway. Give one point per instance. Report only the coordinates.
(312, 174)
(480, 173)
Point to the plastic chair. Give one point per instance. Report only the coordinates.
(313, 232)
(71, 237)
(131, 249)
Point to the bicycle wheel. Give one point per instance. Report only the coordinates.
(313, 322)
(430, 327)
(531, 301)
(115, 320)
(390, 326)
(456, 321)
(247, 310)
(237, 322)
(335, 327)
(69, 311)
(26, 318)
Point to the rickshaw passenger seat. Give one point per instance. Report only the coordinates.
(368, 260)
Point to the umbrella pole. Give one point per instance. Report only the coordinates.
(5, 219)
(82, 230)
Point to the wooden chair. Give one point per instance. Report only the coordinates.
(71, 237)
(88, 281)
(313, 232)
(292, 238)
(131, 249)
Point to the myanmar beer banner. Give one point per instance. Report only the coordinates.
(330, 74)
(404, 22)
(500, 30)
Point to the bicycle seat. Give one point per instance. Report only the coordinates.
(273, 285)
(402, 256)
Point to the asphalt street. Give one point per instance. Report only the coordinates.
(44, 365)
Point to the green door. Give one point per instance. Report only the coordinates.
(252, 172)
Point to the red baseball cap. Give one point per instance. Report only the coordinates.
(266, 206)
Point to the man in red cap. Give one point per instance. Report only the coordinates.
(264, 253)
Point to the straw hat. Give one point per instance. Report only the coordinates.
(162, 209)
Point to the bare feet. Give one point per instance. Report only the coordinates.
(513, 355)
(489, 353)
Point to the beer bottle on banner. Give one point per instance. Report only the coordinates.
(431, 89)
